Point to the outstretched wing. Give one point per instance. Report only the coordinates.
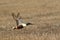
(19, 16)
(14, 17)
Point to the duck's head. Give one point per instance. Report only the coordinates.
(29, 24)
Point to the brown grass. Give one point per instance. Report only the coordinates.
(44, 14)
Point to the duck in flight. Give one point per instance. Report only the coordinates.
(19, 21)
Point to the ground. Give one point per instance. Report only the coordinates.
(43, 14)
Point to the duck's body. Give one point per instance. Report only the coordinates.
(21, 26)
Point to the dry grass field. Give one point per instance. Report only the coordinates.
(43, 14)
